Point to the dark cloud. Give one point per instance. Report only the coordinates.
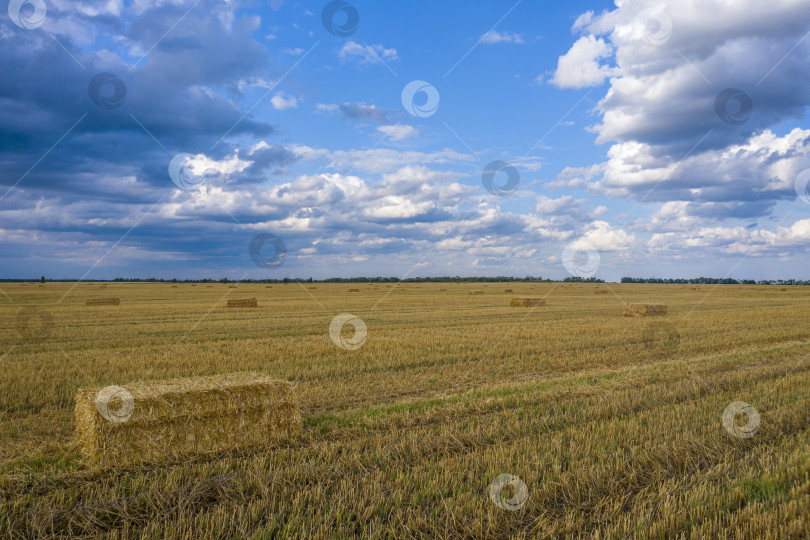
(359, 111)
(175, 94)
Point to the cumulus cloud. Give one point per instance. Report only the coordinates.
(784, 241)
(667, 66)
(399, 132)
(581, 65)
(602, 236)
(283, 102)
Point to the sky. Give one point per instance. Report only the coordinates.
(270, 139)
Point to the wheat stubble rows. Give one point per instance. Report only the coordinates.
(613, 423)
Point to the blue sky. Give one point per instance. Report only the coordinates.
(644, 138)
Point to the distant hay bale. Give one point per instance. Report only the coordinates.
(268, 286)
(241, 302)
(476, 292)
(442, 289)
(353, 290)
(174, 286)
(312, 288)
(527, 302)
(102, 301)
(599, 291)
(508, 290)
(782, 289)
(154, 422)
(209, 286)
(644, 310)
(232, 287)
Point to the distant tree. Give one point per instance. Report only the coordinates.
(42, 279)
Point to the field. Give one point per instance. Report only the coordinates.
(613, 424)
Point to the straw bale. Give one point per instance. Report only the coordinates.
(102, 301)
(159, 421)
(354, 290)
(599, 291)
(241, 302)
(508, 290)
(476, 292)
(644, 310)
(527, 302)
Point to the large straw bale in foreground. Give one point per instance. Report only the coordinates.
(241, 302)
(102, 301)
(644, 310)
(527, 302)
(154, 422)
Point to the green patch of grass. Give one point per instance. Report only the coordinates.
(766, 489)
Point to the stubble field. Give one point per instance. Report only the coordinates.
(613, 424)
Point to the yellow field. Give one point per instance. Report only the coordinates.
(613, 424)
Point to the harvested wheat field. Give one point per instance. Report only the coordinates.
(241, 303)
(413, 403)
(645, 310)
(527, 302)
(102, 301)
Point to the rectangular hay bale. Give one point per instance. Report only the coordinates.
(241, 302)
(159, 421)
(527, 302)
(476, 292)
(508, 290)
(102, 301)
(644, 310)
(354, 290)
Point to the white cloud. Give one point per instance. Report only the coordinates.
(399, 132)
(659, 113)
(493, 36)
(283, 102)
(602, 236)
(580, 66)
(366, 54)
(735, 240)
